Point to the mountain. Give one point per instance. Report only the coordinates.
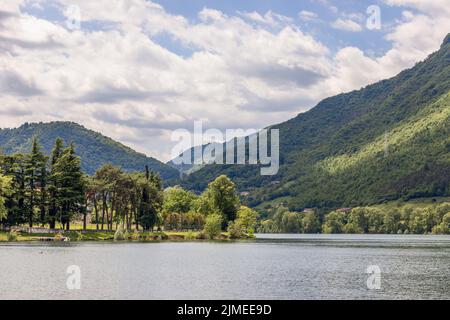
(386, 141)
(93, 148)
(195, 155)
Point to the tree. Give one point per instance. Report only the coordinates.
(291, 222)
(391, 222)
(35, 171)
(203, 204)
(356, 221)
(334, 222)
(267, 226)
(178, 200)
(5, 190)
(444, 226)
(69, 179)
(244, 224)
(53, 186)
(222, 193)
(247, 217)
(13, 166)
(375, 220)
(236, 230)
(173, 221)
(310, 223)
(151, 201)
(213, 225)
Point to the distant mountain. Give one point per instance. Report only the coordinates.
(188, 168)
(93, 148)
(386, 141)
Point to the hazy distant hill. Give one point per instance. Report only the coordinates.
(93, 148)
(386, 141)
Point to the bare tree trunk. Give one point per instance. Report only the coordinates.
(96, 212)
(104, 207)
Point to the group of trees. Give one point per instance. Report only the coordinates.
(373, 220)
(116, 198)
(407, 220)
(216, 209)
(285, 221)
(47, 191)
(36, 189)
(40, 190)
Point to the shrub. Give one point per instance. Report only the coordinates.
(80, 236)
(11, 236)
(119, 235)
(190, 236)
(59, 237)
(135, 236)
(201, 235)
(236, 230)
(213, 226)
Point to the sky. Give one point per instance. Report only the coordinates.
(137, 70)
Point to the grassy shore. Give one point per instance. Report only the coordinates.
(109, 236)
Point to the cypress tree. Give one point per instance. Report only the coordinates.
(53, 186)
(69, 178)
(34, 163)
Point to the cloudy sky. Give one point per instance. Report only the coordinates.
(135, 70)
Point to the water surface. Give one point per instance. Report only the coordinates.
(272, 267)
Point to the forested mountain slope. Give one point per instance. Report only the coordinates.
(93, 148)
(388, 140)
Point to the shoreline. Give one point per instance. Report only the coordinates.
(179, 236)
(110, 236)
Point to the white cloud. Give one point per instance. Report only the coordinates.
(307, 15)
(346, 25)
(247, 70)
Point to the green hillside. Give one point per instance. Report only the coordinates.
(93, 148)
(389, 140)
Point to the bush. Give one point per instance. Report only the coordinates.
(59, 237)
(11, 236)
(119, 235)
(236, 230)
(80, 236)
(201, 235)
(135, 236)
(213, 226)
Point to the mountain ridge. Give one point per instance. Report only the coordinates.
(343, 125)
(94, 148)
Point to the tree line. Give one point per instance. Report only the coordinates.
(407, 220)
(40, 190)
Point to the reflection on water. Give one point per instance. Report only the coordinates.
(272, 267)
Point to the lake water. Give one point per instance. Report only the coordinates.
(272, 267)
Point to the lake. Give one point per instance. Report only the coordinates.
(271, 267)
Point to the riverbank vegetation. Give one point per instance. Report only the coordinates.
(391, 218)
(51, 192)
(40, 194)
